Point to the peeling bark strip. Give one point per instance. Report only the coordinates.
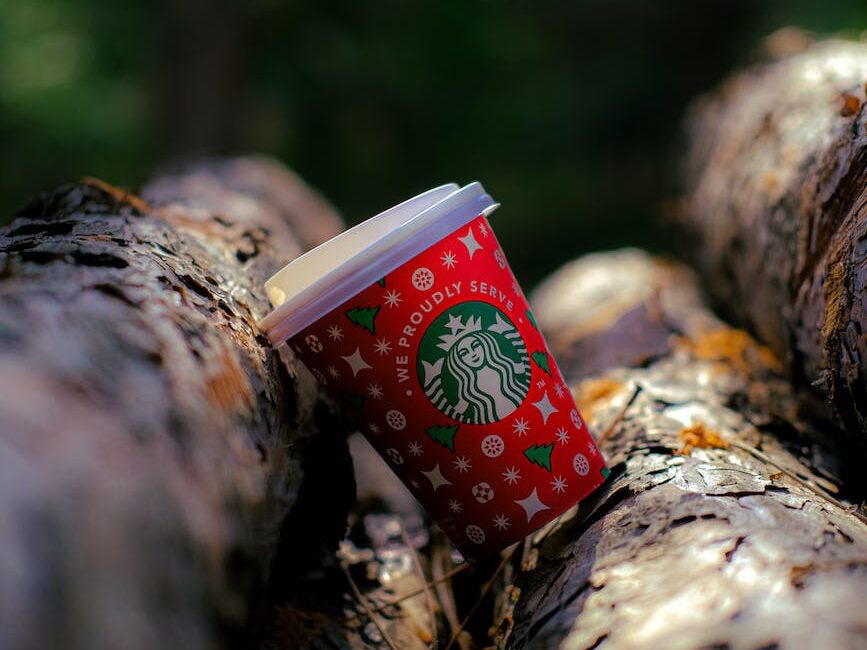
(151, 443)
(777, 198)
(737, 545)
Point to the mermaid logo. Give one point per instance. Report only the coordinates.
(473, 364)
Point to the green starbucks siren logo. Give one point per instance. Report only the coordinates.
(473, 364)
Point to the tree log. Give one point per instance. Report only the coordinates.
(719, 527)
(152, 444)
(776, 182)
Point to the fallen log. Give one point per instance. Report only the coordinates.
(720, 527)
(153, 446)
(776, 199)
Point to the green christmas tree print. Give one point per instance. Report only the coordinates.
(541, 359)
(364, 317)
(531, 318)
(354, 399)
(443, 434)
(540, 455)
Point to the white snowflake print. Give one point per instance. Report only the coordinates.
(382, 347)
(395, 456)
(333, 372)
(521, 427)
(395, 419)
(576, 419)
(422, 278)
(455, 505)
(483, 230)
(516, 288)
(592, 450)
(501, 260)
(559, 485)
(493, 445)
(562, 436)
(449, 260)
(392, 298)
(501, 522)
(414, 448)
(375, 391)
(462, 464)
(512, 475)
(373, 428)
(581, 465)
(540, 383)
(483, 492)
(335, 333)
(475, 534)
(559, 390)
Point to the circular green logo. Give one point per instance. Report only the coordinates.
(473, 364)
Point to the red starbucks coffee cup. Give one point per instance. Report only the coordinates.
(415, 323)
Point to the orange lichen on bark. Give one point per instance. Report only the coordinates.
(733, 347)
(120, 195)
(850, 106)
(697, 435)
(589, 392)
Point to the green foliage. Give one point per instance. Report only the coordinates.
(565, 110)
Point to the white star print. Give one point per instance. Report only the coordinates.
(333, 372)
(335, 333)
(415, 484)
(436, 478)
(592, 450)
(374, 428)
(501, 522)
(532, 504)
(483, 229)
(449, 260)
(559, 485)
(562, 436)
(521, 427)
(545, 407)
(414, 448)
(462, 464)
(392, 298)
(297, 349)
(455, 506)
(540, 383)
(512, 475)
(382, 346)
(559, 390)
(356, 362)
(375, 391)
(470, 242)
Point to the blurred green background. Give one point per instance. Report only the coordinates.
(567, 111)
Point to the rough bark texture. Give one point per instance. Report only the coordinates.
(151, 441)
(712, 532)
(776, 179)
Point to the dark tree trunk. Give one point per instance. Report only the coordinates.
(718, 528)
(776, 179)
(152, 444)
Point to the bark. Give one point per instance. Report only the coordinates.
(718, 527)
(152, 444)
(776, 181)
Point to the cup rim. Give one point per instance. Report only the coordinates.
(301, 293)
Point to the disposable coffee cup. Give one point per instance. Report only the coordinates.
(415, 324)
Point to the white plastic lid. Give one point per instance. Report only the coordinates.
(311, 286)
